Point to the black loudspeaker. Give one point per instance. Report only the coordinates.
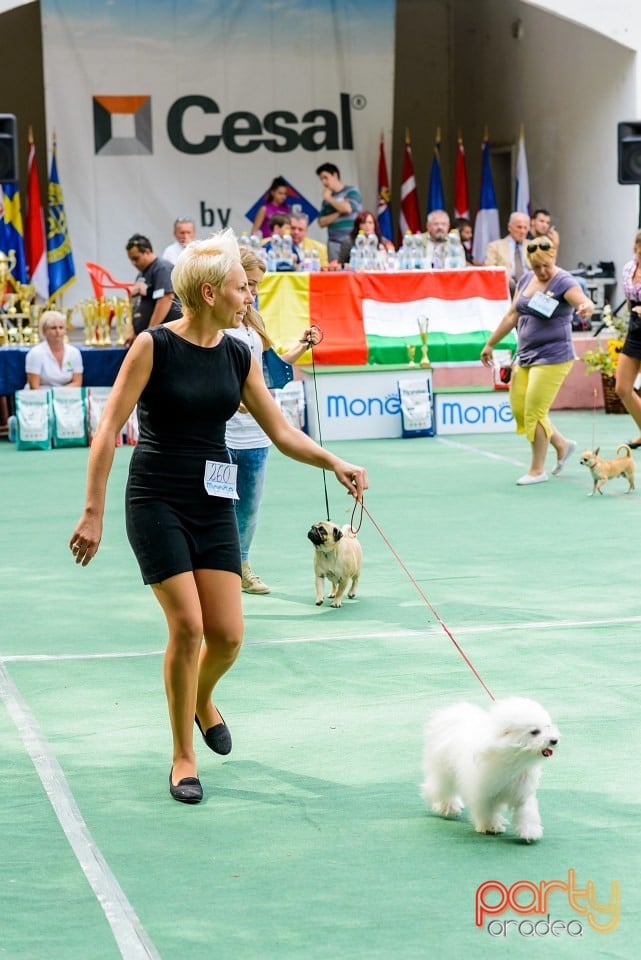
(630, 152)
(8, 148)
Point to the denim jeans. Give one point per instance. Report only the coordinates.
(249, 487)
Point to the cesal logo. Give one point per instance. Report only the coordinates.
(133, 111)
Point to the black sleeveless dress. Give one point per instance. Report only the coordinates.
(173, 524)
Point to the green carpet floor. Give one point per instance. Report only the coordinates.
(313, 841)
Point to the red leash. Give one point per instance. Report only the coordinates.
(420, 591)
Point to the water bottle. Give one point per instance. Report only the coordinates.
(404, 252)
(355, 258)
(243, 240)
(454, 253)
(314, 261)
(371, 249)
(419, 252)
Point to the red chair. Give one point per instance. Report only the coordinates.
(102, 280)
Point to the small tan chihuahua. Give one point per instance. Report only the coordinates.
(604, 470)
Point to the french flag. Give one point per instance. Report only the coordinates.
(486, 224)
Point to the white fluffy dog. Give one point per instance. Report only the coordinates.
(488, 760)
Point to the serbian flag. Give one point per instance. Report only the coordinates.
(486, 225)
(410, 217)
(371, 318)
(383, 206)
(522, 180)
(35, 244)
(435, 196)
(461, 201)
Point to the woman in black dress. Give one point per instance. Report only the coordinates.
(188, 379)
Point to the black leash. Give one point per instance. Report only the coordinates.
(311, 344)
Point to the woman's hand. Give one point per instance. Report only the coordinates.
(352, 477)
(311, 336)
(86, 538)
(486, 356)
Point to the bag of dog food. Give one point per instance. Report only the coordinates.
(417, 407)
(96, 400)
(33, 420)
(69, 417)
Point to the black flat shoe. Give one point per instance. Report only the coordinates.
(634, 444)
(187, 790)
(217, 738)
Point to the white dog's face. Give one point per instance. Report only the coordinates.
(524, 726)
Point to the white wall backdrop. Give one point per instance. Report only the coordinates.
(210, 77)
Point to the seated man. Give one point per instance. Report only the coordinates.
(304, 245)
(509, 252)
(184, 233)
(541, 226)
(438, 227)
(280, 226)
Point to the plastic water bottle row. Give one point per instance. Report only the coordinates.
(368, 254)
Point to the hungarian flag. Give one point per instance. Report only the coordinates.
(383, 207)
(461, 201)
(435, 195)
(371, 317)
(410, 217)
(35, 244)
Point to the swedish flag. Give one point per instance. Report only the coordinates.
(12, 232)
(60, 266)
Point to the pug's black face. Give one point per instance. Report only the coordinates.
(320, 533)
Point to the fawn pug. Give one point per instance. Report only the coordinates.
(488, 760)
(604, 470)
(338, 556)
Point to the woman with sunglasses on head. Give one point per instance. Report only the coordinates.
(629, 362)
(544, 301)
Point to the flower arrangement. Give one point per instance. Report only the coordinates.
(604, 359)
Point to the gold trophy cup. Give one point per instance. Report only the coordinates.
(411, 353)
(423, 328)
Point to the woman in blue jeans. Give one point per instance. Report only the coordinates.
(248, 445)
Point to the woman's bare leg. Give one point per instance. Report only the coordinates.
(220, 599)
(626, 373)
(178, 596)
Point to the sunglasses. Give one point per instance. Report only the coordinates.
(543, 245)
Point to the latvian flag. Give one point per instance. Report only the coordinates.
(371, 318)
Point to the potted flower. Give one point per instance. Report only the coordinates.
(604, 359)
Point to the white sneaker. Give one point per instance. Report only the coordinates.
(527, 479)
(251, 582)
(560, 463)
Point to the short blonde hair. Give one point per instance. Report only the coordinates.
(637, 238)
(204, 261)
(51, 316)
(541, 250)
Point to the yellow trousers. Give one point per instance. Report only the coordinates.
(533, 390)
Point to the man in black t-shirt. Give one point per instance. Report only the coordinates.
(153, 298)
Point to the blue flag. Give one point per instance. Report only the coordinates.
(435, 196)
(486, 225)
(383, 204)
(60, 266)
(12, 232)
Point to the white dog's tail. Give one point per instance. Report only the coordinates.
(624, 446)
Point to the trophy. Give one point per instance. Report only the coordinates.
(423, 328)
(411, 352)
(104, 320)
(122, 313)
(88, 310)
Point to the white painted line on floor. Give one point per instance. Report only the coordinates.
(130, 935)
(432, 629)
(480, 452)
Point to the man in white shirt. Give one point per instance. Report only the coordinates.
(184, 233)
(438, 227)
